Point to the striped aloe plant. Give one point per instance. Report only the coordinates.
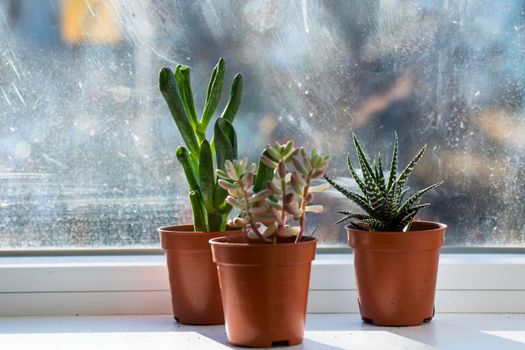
(384, 201)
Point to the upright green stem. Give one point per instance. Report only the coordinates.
(215, 222)
(197, 206)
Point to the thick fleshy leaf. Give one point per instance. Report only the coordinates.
(213, 95)
(225, 139)
(314, 208)
(184, 158)
(182, 74)
(259, 196)
(235, 99)
(199, 216)
(319, 188)
(207, 176)
(264, 174)
(169, 89)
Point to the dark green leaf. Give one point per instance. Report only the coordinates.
(187, 164)
(168, 88)
(207, 176)
(182, 73)
(235, 99)
(215, 222)
(199, 222)
(264, 174)
(213, 96)
(225, 140)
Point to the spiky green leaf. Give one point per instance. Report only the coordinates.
(374, 194)
(376, 225)
(360, 183)
(408, 169)
(361, 201)
(393, 165)
(404, 209)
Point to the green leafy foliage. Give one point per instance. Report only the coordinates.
(280, 189)
(382, 199)
(208, 200)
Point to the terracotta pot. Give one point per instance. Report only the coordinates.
(396, 273)
(195, 294)
(264, 290)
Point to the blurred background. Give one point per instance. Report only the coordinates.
(87, 145)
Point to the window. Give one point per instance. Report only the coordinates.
(87, 144)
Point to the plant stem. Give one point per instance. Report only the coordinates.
(283, 211)
(252, 222)
(302, 221)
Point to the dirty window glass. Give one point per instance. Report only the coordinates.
(87, 144)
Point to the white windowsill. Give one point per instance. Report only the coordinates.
(111, 285)
(323, 332)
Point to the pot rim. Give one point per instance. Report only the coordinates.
(187, 230)
(221, 241)
(438, 226)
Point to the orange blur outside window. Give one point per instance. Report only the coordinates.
(89, 21)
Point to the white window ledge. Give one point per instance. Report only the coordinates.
(323, 332)
(120, 285)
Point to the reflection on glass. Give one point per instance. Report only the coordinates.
(87, 144)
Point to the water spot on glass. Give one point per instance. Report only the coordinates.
(22, 150)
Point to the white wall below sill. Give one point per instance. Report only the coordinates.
(134, 285)
(323, 332)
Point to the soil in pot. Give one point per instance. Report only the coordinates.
(195, 293)
(396, 273)
(264, 290)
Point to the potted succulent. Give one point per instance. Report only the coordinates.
(264, 275)
(395, 257)
(192, 273)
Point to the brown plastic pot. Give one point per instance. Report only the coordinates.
(396, 273)
(264, 289)
(195, 294)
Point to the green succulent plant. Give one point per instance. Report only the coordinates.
(385, 201)
(200, 156)
(280, 189)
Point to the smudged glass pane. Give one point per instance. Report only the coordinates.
(87, 145)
